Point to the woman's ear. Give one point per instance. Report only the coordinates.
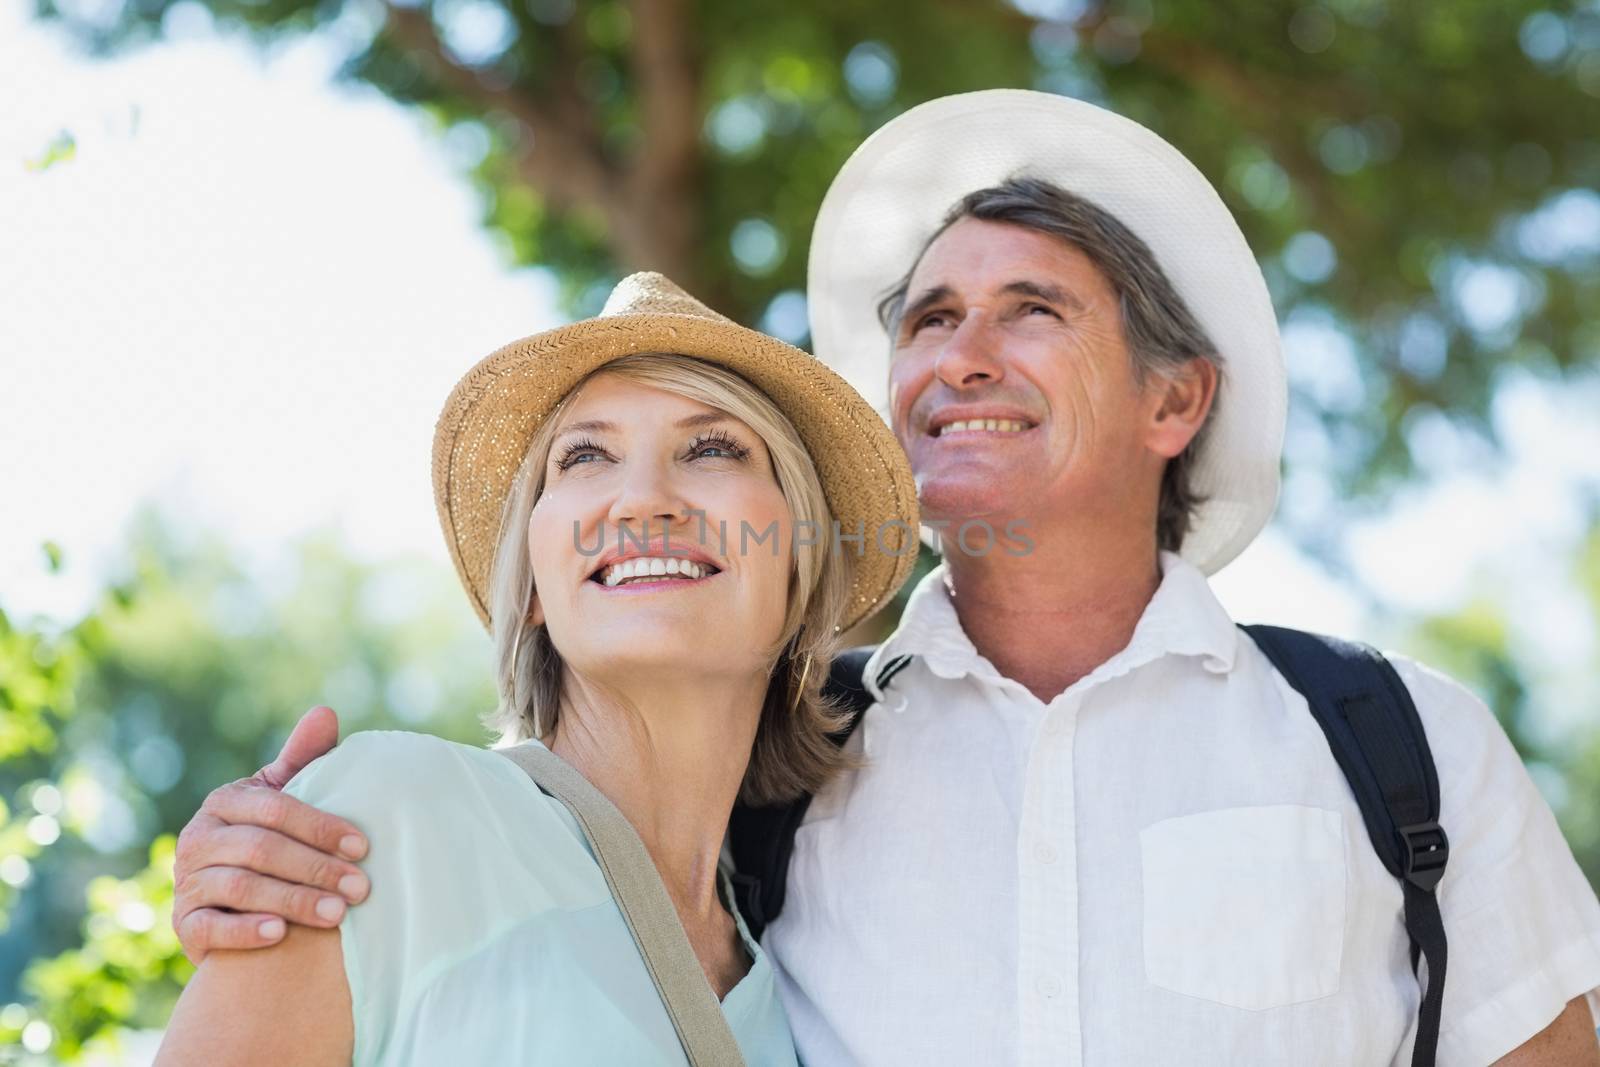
(1186, 396)
(535, 612)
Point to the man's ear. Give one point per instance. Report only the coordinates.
(1185, 398)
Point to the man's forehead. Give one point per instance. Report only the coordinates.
(975, 255)
(1049, 290)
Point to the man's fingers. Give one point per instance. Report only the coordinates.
(245, 891)
(278, 856)
(193, 840)
(205, 929)
(314, 735)
(243, 803)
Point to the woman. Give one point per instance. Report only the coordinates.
(638, 532)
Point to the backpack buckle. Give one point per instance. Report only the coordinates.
(1426, 850)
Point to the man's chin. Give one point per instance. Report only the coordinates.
(967, 498)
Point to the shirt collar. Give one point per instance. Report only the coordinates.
(1183, 618)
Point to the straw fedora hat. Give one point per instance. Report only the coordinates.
(496, 408)
(893, 193)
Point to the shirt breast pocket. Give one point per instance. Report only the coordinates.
(1245, 906)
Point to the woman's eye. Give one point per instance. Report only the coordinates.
(718, 446)
(579, 452)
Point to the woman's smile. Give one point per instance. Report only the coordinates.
(643, 574)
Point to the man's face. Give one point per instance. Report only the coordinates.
(1019, 329)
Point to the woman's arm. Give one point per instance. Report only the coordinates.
(289, 1003)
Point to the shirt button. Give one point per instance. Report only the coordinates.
(1046, 854)
(1049, 986)
(1056, 725)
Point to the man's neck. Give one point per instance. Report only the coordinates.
(1050, 617)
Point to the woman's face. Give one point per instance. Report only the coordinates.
(630, 464)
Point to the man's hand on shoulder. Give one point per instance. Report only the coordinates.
(253, 858)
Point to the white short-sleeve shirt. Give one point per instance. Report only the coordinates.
(1163, 864)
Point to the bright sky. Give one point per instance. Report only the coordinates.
(250, 292)
(248, 296)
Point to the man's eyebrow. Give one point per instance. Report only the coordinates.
(929, 297)
(1050, 294)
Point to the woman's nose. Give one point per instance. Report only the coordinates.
(971, 356)
(648, 501)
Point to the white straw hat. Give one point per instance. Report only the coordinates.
(893, 193)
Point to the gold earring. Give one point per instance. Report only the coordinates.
(516, 643)
(799, 690)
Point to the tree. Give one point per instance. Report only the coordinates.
(1418, 179)
(113, 729)
(1545, 703)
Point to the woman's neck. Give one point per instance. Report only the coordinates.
(671, 754)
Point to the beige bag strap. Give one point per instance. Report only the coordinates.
(696, 1015)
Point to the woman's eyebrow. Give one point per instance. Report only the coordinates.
(705, 418)
(589, 426)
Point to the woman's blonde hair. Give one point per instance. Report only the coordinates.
(792, 754)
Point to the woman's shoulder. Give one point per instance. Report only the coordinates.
(379, 768)
(436, 805)
(464, 851)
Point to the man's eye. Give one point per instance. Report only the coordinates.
(937, 318)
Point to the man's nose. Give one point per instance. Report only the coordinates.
(971, 356)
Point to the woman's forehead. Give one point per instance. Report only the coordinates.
(621, 401)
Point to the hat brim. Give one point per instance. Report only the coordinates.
(892, 194)
(493, 413)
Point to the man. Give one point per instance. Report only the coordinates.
(1093, 824)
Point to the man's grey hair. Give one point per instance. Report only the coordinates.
(1162, 333)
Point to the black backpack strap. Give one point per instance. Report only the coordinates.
(762, 839)
(1377, 738)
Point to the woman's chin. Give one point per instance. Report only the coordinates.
(676, 646)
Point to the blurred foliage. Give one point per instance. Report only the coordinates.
(63, 148)
(188, 674)
(1418, 179)
(1546, 699)
(127, 975)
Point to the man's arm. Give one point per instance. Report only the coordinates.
(1567, 1042)
(252, 857)
(288, 1004)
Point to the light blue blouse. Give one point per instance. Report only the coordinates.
(490, 936)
